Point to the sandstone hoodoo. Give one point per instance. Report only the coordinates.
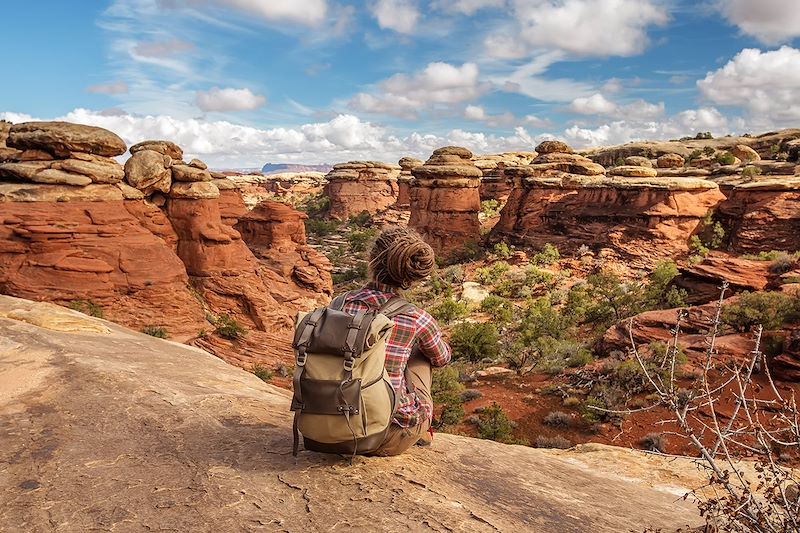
(445, 201)
(763, 215)
(551, 147)
(360, 186)
(495, 185)
(640, 219)
(162, 147)
(407, 164)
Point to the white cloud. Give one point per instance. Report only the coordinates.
(770, 21)
(397, 15)
(229, 99)
(306, 12)
(592, 105)
(223, 144)
(439, 85)
(466, 7)
(765, 84)
(116, 87)
(596, 28)
(477, 113)
(528, 80)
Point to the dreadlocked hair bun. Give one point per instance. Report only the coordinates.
(400, 257)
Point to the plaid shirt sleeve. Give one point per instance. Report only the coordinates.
(430, 340)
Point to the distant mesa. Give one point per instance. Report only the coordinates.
(276, 168)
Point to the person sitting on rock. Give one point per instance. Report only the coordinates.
(399, 259)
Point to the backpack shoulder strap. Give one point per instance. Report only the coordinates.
(395, 306)
(337, 304)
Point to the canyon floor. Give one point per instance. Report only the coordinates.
(107, 429)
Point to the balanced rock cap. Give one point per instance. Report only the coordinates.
(162, 147)
(549, 147)
(62, 138)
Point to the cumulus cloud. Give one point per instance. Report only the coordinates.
(765, 84)
(466, 7)
(345, 137)
(116, 87)
(229, 99)
(477, 113)
(597, 104)
(770, 21)
(596, 28)
(397, 15)
(439, 85)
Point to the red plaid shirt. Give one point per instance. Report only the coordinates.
(410, 327)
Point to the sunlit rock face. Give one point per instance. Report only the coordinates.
(360, 186)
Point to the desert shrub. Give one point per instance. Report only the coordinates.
(535, 276)
(571, 401)
(547, 256)
(541, 318)
(704, 135)
(452, 274)
(87, 308)
(360, 239)
(315, 206)
(556, 354)
(449, 310)
(261, 372)
(659, 293)
(708, 151)
(493, 273)
(321, 228)
(226, 327)
(725, 158)
(500, 308)
(751, 172)
(490, 208)
(558, 442)
(155, 331)
(351, 274)
(474, 341)
(471, 394)
(502, 250)
(590, 414)
(697, 247)
(782, 264)
(557, 419)
(362, 219)
(653, 442)
(581, 357)
(610, 299)
(446, 390)
(694, 155)
(769, 309)
(493, 424)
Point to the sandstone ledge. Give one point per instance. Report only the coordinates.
(29, 192)
(128, 432)
(562, 180)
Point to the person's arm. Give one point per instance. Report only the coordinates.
(430, 340)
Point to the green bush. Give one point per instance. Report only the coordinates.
(769, 309)
(352, 274)
(591, 415)
(360, 239)
(446, 390)
(493, 424)
(474, 341)
(490, 208)
(697, 247)
(315, 206)
(708, 151)
(535, 276)
(227, 328)
(449, 310)
(493, 273)
(87, 308)
(725, 158)
(501, 309)
(155, 331)
(547, 256)
(362, 219)
(321, 228)
(261, 372)
(751, 172)
(692, 156)
(659, 293)
(557, 419)
(502, 250)
(555, 354)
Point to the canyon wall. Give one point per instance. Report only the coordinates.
(361, 186)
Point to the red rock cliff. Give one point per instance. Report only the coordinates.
(360, 186)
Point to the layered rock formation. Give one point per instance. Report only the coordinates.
(289, 187)
(109, 429)
(763, 215)
(407, 164)
(495, 185)
(154, 250)
(360, 186)
(567, 201)
(445, 201)
(703, 280)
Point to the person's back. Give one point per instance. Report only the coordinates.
(398, 259)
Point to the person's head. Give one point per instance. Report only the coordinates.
(400, 258)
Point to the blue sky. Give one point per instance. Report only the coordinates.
(242, 82)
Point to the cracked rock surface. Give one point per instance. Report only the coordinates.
(106, 429)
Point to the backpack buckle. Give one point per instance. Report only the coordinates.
(301, 358)
(348, 364)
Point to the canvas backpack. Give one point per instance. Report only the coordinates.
(343, 400)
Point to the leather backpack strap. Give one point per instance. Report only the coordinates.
(337, 304)
(395, 306)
